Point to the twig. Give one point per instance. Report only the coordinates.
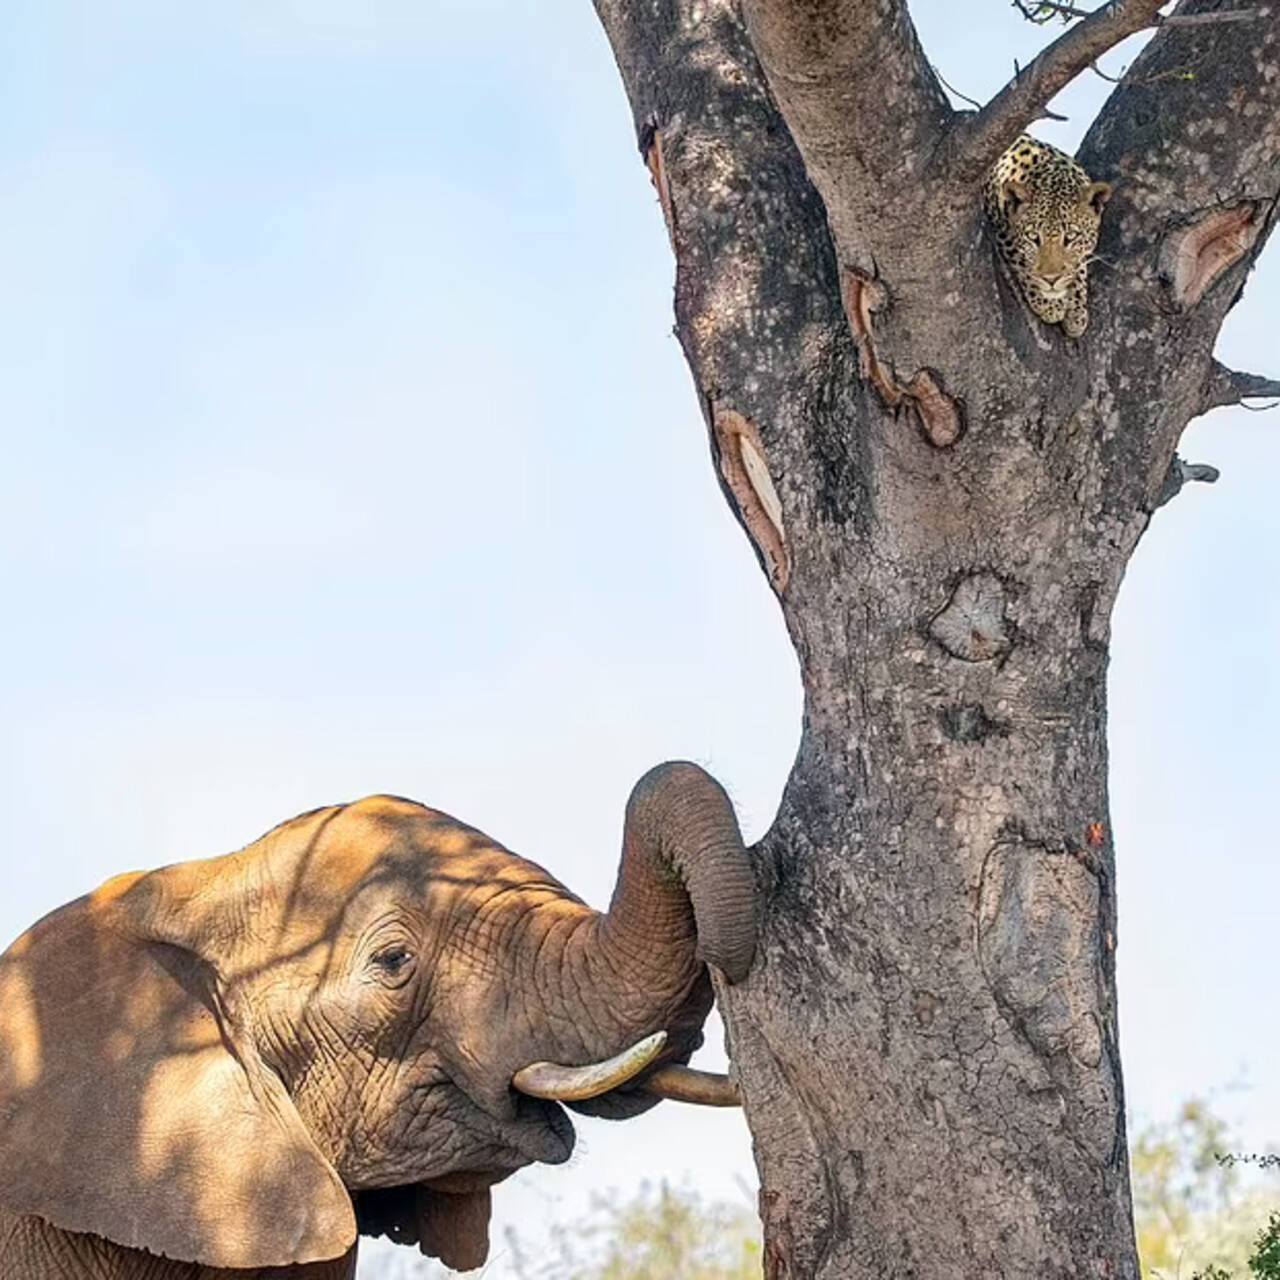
(973, 102)
(1172, 73)
(1040, 11)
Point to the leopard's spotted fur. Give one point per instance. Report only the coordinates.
(1046, 212)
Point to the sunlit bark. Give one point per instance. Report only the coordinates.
(944, 495)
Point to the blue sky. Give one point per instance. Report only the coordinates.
(347, 449)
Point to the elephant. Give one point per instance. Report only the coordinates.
(355, 1025)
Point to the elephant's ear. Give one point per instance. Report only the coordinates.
(129, 1110)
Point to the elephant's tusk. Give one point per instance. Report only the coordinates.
(684, 1084)
(576, 1084)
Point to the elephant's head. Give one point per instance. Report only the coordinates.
(231, 1061)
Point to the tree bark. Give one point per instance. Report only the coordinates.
(944, 495)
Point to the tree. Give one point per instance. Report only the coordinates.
(944, 496)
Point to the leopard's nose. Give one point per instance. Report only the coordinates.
(1051, 262)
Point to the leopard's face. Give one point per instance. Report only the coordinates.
(1046, 214)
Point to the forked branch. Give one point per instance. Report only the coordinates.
(1024, 98)
(832, 65)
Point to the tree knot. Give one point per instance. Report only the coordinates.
(972, 625)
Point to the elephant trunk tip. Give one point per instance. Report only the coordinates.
(683, 821)
(733, 961)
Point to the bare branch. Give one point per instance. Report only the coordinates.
(946, 84)
(1227, 386)
(1180, 473)
(731, 182)
(1023, 99)
(831, 67)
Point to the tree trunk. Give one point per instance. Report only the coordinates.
(944, 494)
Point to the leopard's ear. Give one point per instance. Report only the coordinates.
(1096, 195)
(1016, 193)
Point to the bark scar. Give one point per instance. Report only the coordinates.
(1038, 914)
(973, 624)
(1039, 936)
(862, 296)
(651, 146)
(939, 415)
(741, 460)
(1193, 257)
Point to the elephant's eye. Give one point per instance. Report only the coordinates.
(392, 961)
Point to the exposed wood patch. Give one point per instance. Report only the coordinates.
(1193, 257)
(939, 415)
(741, 458)
(862, 298)
(651, 146)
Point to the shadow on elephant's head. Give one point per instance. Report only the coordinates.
(243, 1061)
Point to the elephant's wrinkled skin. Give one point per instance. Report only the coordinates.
(235, 1063)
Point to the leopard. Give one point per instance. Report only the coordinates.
(1046, 212)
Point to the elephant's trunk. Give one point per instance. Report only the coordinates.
(685, 899)
(685, 889)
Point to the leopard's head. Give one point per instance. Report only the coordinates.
(1047, 214)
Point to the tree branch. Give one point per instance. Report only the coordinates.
(1180, 473)
(758, 304)
(861, 101)
(984, 137)
(1227, 386)
(1191, 139)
